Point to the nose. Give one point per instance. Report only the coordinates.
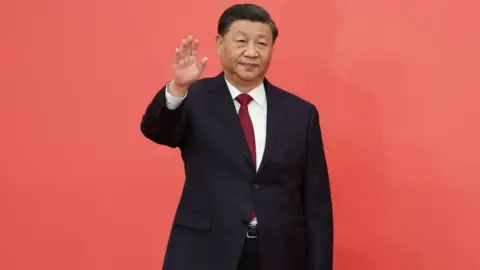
(251, 50)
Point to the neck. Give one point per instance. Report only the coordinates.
(241, 85)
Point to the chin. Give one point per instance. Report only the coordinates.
(249, 76)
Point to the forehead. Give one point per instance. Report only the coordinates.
(250, 28)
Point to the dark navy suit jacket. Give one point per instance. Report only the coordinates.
(290, 191)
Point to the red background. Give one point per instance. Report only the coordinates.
(396, 83)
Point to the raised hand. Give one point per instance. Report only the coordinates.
(186, 67)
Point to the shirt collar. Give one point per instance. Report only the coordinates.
(257, 93)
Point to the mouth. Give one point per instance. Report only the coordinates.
(249, 64)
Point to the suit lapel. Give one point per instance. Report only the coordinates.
(274, 122)
(222, 102)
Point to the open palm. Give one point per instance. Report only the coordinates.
(186, 68)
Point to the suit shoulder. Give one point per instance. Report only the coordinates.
(202, 83)
(296, 100)
(199, 87)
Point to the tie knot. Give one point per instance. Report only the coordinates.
(244, 99)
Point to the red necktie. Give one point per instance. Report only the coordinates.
(246, 122)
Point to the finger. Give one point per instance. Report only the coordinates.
(183, 48)
(202, 64)
(178, 57)
(188, 46)
(195, 48)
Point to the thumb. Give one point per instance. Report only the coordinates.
(202, 64)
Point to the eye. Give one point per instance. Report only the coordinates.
(262, 43)
(241, 41)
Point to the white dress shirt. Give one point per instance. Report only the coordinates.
(257, 110)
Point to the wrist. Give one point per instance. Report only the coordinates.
(177, 90)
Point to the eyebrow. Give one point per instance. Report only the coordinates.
(245, 34)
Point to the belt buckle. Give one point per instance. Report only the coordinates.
(251, 236)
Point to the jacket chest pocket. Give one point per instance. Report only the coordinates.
(192, 221)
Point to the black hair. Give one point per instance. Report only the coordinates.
(250, 12)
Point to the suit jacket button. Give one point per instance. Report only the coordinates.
(256, 186)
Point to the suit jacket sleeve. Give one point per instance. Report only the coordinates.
(164, 122)
(317, 201)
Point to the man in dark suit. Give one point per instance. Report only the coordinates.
(256, 194)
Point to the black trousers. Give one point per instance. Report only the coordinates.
(249, 260)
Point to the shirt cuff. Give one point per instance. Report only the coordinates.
(173, 102)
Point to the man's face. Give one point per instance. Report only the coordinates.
(246, 50)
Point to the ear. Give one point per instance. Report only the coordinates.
(219, 42)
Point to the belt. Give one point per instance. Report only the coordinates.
(252, 232)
